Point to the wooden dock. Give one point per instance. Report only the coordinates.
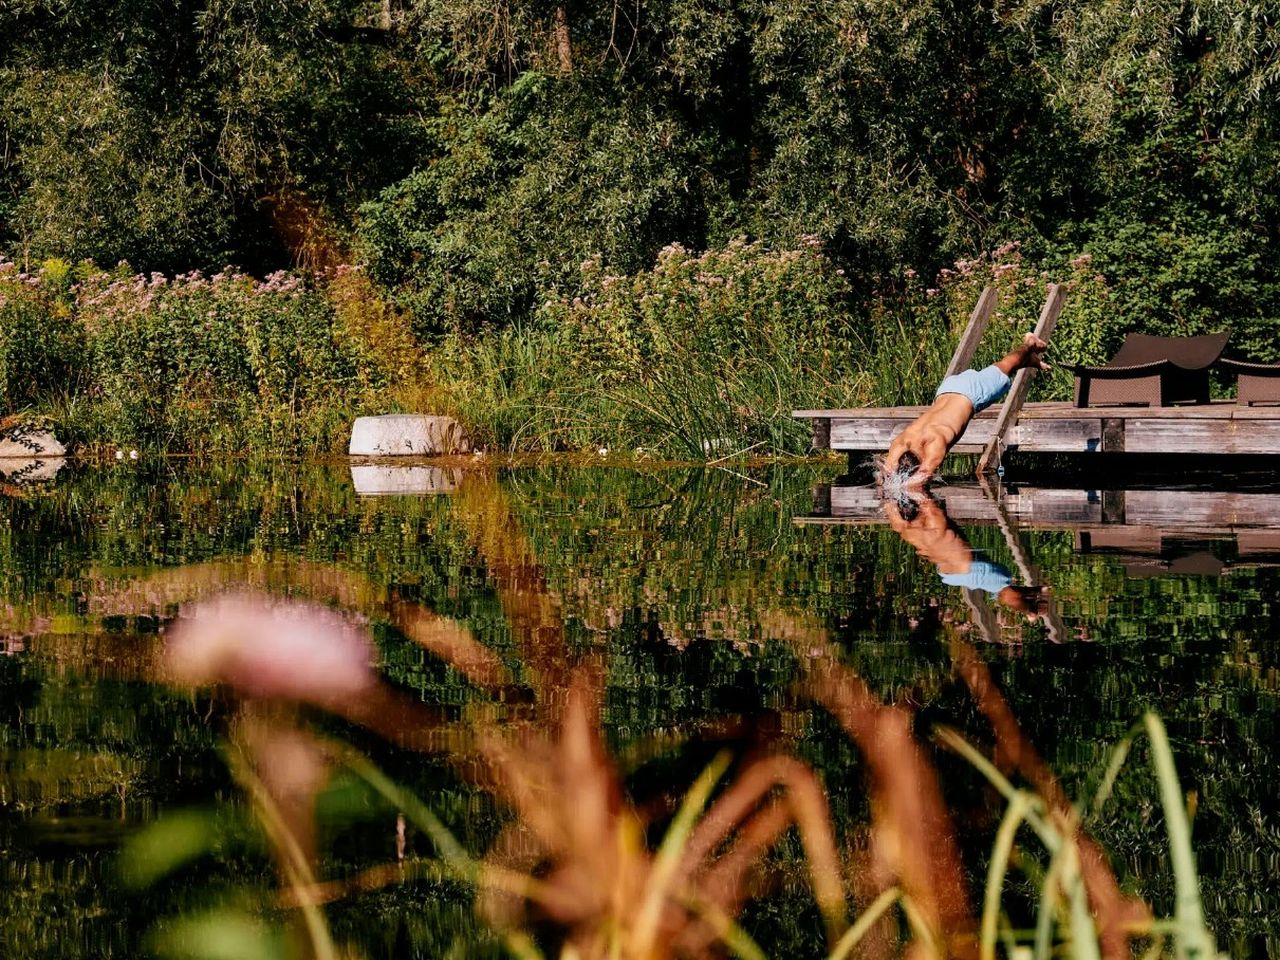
(1221, 427)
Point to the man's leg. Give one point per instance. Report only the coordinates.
(984, 387)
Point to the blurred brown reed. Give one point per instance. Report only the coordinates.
(1117, 915)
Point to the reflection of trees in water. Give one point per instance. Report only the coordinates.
(569, 835)
(524, 601)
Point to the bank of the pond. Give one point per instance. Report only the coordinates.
(702, 356)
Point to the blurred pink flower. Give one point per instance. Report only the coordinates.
(263, 646)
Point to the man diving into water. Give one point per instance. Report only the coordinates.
(917, 452)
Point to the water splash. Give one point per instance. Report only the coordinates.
(894, 484)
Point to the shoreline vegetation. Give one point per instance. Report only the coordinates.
(698, 358)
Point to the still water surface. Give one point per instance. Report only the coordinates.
(687, 608)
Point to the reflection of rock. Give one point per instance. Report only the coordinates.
(19, 471)
(407, 434)
(375, 480)
(25, 441)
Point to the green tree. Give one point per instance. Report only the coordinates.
(159, 132)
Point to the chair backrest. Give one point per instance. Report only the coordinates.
(1189, 353)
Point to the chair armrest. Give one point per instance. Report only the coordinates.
(1119, 373)
(1249, 367)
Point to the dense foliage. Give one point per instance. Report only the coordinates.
(472, 157)
(195, 363)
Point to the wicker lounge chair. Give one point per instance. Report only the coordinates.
(1151, 371)
(1256, 382)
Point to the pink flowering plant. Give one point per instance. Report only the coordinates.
(200, 358)
(186, 362)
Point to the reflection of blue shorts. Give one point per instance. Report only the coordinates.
(981, 575)
(983, 387)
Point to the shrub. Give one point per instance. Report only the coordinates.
(1186, 271)
(525, 186)
(41, 350)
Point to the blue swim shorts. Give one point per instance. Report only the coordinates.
(982, 387)
(981, 575)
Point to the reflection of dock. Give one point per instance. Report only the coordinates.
(1209, 512)
(1132, 524)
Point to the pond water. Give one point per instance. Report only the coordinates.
(560, 647)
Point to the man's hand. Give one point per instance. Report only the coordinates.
(1031, 602)
(931, 451)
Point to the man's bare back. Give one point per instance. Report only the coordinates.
(928, 438)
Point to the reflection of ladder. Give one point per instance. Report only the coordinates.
(962, 359)
(983, 618)
(1054, 627)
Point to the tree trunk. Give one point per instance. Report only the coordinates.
(563, 49)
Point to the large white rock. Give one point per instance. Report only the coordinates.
(383, 480)
(24, 442)
(407, 435)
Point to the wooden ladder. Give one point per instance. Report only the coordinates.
(962, 359)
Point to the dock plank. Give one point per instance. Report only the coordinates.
(1057, 436)
(1239, 436)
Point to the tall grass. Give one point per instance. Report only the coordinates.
(703, 356)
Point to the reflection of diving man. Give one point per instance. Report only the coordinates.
(918, 450)
(922, 523)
